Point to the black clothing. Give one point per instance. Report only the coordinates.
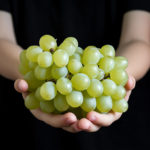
(92, 22)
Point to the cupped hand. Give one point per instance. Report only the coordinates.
(92, 123)
(94, 120)
(66, 121)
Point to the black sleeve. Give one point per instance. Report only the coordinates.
(5, 5)
(136, 5)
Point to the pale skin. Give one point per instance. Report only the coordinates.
(134, 45)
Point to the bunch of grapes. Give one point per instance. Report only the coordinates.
(67, 78)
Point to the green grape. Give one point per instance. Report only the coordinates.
(120, 106)
(73, 40)
(22, 69)
(48, 73)
(37, 94)
(48, 90)
(119, 76)
(109, 87)
(32, 81)
(68, 46)
(91, 70)
(31, 102)
(89, 103)
(58, 72)
(79, 50)
(74, 99)
(64, 85)
(23, 59)
(47, 106)
(40, 73)
(75, 56)
(91, 55)
(61, 58)
(80, 81)
(104, 104)
(121, 62)
(45, 59)
(120, 93)
(33, 53)
(60, 103)
(101, 74)
(95, 89)
(32, 65)
(108, 50)
(48, 42)
(106, 64)
(74, 66)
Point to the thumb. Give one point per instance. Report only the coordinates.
(131, 83)
(21, 85)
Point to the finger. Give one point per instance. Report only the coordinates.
(24, 95)
(21, 85)
(55, 120)
(87, 125)
(103, 119)
(131, 83)
(128, 95)
(73, 128)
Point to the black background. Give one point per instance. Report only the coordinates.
(91, 22)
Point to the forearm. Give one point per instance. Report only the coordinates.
(9, 59)
(138, 55)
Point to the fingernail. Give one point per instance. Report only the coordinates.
(93, 118)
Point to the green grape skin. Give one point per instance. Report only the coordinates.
(104, 104)
(119, 76)
(75, 99)
(73, 40)
(38, 95)
(107, 64)
(121, 62)
(33, 53)
(101, 74)
(74, 66)
(75, 56)
(23, 59)
(108, 50)
(120, 106)
(80, 81)
(32, 81)
(48, 42)
(61, 58)
(60, 103)
(120, 93)
(22, 69)
(58, 72)
(47, 106)
(91, 70)
(68, 47)
(79, 50)
(45, 59)
(91, 55)
(48, 90)
(64, 86)
(89, 103)
(31, 102)
(49, 73)
(109, 86)
(40, 73)
(32, 65)
(95, 89)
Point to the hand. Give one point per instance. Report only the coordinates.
(94, 120)
(66, 121)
